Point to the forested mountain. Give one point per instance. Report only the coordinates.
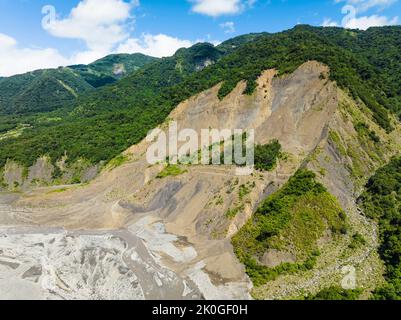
(111, 68)
(51, 89)
(40, 91)
(103, 122)
(106, 121)
(379, 47)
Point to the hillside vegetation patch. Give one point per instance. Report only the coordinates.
(291, 220)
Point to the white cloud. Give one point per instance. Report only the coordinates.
(363, 22)
(351, 19)
(86, 57)
(364, 5)
(101, 24)
(329, 23)
(228, 27)
(6, 41)
(366, 22)
(160, 45)
(15, 60)
(216, 8)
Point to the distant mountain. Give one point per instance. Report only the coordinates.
(234, 43)
(125, 105)
(111, 68)
(50, 89)
(138, 90)
(39, 91)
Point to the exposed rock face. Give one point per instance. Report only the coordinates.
(293, 109)
(13, 174)
(299, 110)
(346, 158)
(343, 160)
(41, 171)
(274, 258)
(90, 173)
(18, 177)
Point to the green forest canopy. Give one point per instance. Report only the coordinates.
(382, 201)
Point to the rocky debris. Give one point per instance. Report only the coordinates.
(273, 258)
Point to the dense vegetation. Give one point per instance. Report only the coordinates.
(50, 89)
(40, 91)
(336, 293)
(291, 219)
(381, 48)
(382, 202)
(171, 171)
(111, 68)
(266, 155)
(105, 122)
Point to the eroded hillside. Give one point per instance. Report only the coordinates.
(102, 124)
(171, 232)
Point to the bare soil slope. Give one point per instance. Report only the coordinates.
(177, 228)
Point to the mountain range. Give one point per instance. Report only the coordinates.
(321, 208)
(48, 90)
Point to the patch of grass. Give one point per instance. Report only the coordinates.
(357, 241)
(78, 169)
(171, 170)
(322, 172)
(369, 141)
(58, 191)
(364, 131)
(244, 190)
(25, 173)
(3, 183)
(15, 132)
(310, 216)
(232, 213)
(260, 274)
(358, 165)
(76, 179)
(232, 186)
(335, 138)
(336, 293)
(219, 201)
(118, 161)
(382, 201)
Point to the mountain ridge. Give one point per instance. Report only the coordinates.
(125, 111)
(18, 93)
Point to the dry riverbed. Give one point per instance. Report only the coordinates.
(50, 263)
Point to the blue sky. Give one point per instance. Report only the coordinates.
(84, 30)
